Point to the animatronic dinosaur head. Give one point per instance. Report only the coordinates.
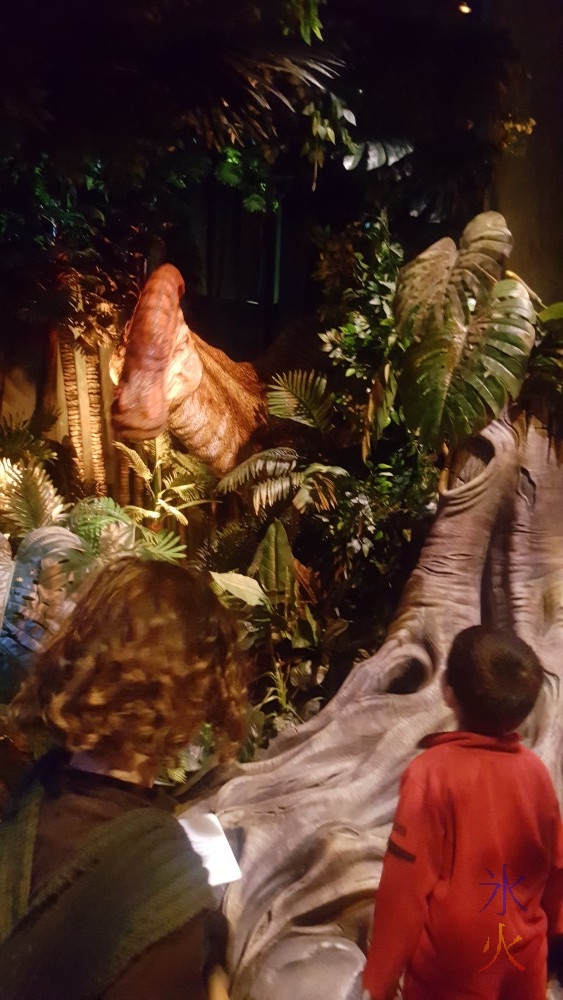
(140, 407)
(172, 378)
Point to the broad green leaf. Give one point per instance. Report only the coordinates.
(444, 286)
(460, 375)
(552, 312)
(273, 565)
(244, 588)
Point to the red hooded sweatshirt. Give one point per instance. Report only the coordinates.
(472, 879)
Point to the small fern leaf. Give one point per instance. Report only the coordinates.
(270, 491)
(163, 545)
(90, 518)
(317, 487)
(301, 396)
(172, 511)
(134, 461)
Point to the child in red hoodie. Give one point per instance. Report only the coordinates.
(472, 879)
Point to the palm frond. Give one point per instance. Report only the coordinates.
(28, 498)
(20, 442)
(270, 491)
(378, 154)
(198, 471)
(140, 514)
(317, 487)
(189, 493)
(301, 396)
(171, 511)
(272, 462)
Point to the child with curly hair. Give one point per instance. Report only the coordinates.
(101, 894)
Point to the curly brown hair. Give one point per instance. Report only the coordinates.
(148, 655)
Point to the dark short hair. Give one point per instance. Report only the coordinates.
(148, 656)
(496, 678)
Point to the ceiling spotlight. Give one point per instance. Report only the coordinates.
(464, 8)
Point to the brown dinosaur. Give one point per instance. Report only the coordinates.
(172, 379)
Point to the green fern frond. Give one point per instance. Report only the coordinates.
(272, 462)
(231, 547)
(140, 514)
(271, 491)
(28, 498)
(134, 461)
(90, 517)
(163, 545)
(19, 441)
(301, 396)
(168, 508)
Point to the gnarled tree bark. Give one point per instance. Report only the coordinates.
(315, 813)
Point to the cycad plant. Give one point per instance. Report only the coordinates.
(49, 545)
(173, 481)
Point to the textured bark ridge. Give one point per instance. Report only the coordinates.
(314, 815)
(171, 378)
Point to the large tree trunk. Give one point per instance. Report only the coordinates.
(527, 188)
(315, 814)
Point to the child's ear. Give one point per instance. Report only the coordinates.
(448, 693)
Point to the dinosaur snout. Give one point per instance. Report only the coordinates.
(139, 408)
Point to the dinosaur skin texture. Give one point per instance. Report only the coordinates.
(172, 379)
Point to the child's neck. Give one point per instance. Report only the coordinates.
(137, 770)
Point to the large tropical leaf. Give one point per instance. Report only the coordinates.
(301, 396)
(444, 284)
(542, 392)
(460, 377)
(472, 334)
